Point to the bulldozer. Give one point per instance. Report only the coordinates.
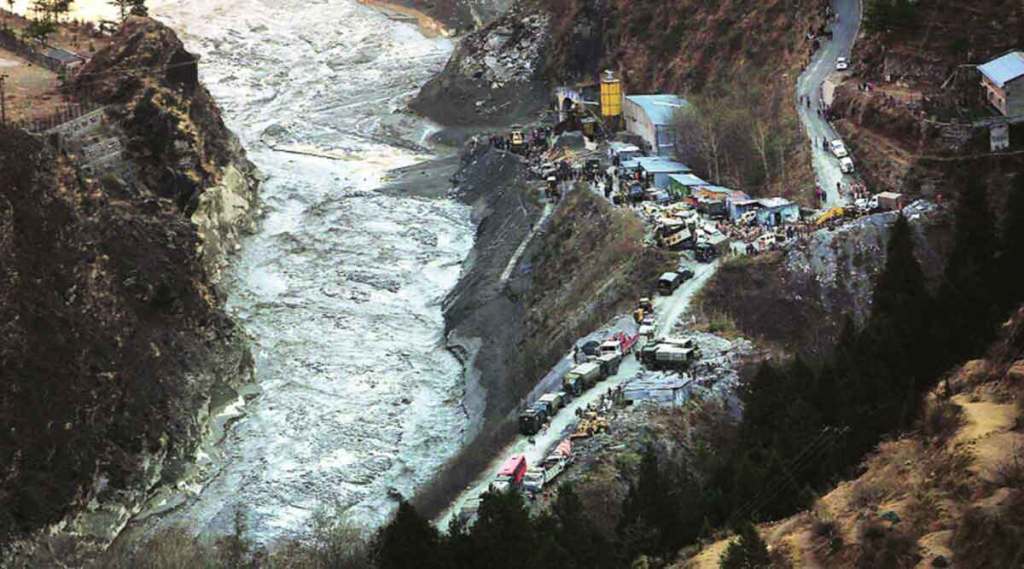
(590, 424)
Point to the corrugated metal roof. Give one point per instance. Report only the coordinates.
(62, 55)
(659, 165)
(1002, 70)
(660, 109)
(775, 202)
(686, 179)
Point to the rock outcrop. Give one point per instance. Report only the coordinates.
(800, 298)
(496, 76)
(115, 351)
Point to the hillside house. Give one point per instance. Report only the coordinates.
(623, 151)
(652, 118)
(1003, 81)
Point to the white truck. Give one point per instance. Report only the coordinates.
(555, 464)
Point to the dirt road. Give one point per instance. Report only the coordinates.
(809, 85)
(669, 310)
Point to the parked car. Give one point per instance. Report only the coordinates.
(842, 64)
(846, 165)
(685, 274)
(838, 148)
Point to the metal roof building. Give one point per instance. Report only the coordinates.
(652, 117)
(1003, 81)
(1005, 69)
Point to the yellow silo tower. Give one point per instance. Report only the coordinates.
(611, 95)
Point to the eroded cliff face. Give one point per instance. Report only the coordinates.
(175, 136)
(799, 299)
(115, 351)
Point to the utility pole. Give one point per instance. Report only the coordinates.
(3, 102)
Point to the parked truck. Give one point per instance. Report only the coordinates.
(530, 422)
(511, 474)
(669, 354)
(552, 402)
(610, 363)
(538, 477)
(582, 378)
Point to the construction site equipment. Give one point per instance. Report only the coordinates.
(832, 214)
(611, 95)
(582, 378)
(590, 424)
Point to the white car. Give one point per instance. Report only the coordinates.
(838, 148)
(842, 64)
(846, 165)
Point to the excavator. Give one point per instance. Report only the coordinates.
(833, 214)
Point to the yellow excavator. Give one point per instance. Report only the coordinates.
(590, 424)
(830, 215)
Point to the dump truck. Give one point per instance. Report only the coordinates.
(582, 378)
(511, 474)
(538, 477)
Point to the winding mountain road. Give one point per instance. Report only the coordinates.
(809, 87)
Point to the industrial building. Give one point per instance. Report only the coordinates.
(652, 118)
(1003, 81)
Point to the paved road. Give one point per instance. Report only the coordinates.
(844, 34)
(669, 310)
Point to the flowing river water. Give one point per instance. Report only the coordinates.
(341, 287)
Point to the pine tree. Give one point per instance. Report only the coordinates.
(503, 533)
(585, 545)
(747, 552)
(1011, 258)
(968, 305)
(408, 541)
(898, 340)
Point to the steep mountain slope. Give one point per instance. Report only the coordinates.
(800, 298)
(114, 349)
(949, 494)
